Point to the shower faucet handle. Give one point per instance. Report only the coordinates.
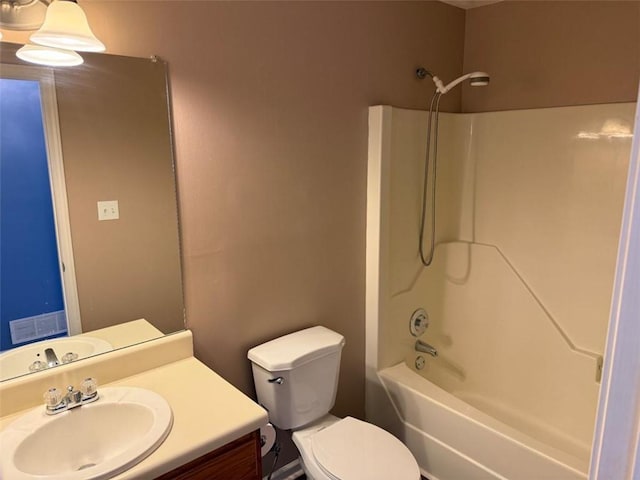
(419, 322)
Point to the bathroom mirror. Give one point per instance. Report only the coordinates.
(115, 138)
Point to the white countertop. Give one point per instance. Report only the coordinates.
(208, 412)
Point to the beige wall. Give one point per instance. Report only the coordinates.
(553, 53)
(270, 102)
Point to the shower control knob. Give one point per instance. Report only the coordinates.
(419, 322)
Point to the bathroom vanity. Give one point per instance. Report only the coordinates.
(215, 426)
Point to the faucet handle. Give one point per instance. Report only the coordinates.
(52, 397)
(69, 357)
(37, 366)
(89, 387)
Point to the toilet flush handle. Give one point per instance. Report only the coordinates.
(278, 380)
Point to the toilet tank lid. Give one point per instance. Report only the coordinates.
(295, 349)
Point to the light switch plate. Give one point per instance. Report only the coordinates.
(108, 210)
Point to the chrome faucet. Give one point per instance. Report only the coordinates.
(52, 359)
(56, 402)
(426, 348)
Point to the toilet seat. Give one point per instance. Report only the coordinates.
(353, 449)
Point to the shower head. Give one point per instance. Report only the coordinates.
(479, 79)
(476, 79)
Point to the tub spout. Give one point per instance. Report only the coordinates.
(425, 348)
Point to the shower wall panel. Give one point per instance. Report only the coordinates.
(550, 190)
(408, 143)
(545, 187)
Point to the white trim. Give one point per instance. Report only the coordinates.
(377, 248)
(616, 437)
(45, 77)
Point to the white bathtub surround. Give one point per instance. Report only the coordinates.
(528, 215)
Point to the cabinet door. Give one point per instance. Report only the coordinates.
(238, 460)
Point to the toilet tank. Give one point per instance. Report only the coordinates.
(296, 376)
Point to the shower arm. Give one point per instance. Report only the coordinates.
(423, 73)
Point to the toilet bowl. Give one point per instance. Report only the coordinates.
(296, 379)
(350, 449)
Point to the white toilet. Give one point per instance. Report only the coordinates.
(296, 378)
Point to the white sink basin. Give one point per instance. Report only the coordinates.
(94, 441)
(16, 362)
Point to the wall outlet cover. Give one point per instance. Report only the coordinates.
(108, 210)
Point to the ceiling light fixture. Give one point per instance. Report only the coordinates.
(63, 30)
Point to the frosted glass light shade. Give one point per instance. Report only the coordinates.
(66, 26)
(51, 57)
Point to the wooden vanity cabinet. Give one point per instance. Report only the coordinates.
(238, 460)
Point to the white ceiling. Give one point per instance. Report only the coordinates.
(466, 4)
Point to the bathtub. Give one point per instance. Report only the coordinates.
(453, 440)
